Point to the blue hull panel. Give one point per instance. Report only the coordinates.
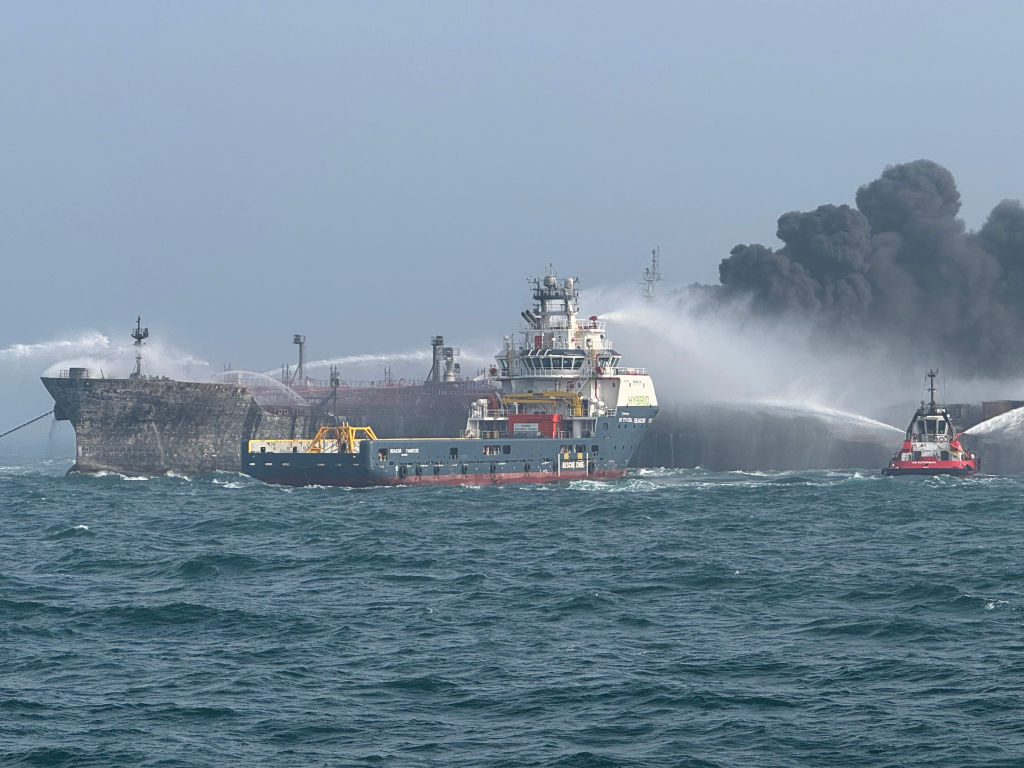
(463, 461)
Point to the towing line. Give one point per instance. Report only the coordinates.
(33, 421)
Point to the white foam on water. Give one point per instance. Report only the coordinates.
(231, 484)
(107, 473)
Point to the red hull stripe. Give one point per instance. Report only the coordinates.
(931, 465)
(960, 468)
(498, 478)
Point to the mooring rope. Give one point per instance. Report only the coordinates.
(33, 421)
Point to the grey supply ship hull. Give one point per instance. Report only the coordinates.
(366, 460)
(565, 410)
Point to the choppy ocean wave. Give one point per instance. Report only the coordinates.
(674, 618)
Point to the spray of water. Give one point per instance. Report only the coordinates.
(375, 359)
(118, 360)
(716, 355)
(89, 343)
(420, 358)
(266, 391)
(720, 352)
(1009, 424)
(841, 424)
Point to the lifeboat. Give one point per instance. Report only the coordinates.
(932, 444)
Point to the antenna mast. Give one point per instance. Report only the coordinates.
(931, 388)
(651, 274)
(138, 333)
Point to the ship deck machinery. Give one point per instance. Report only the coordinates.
(565, 409)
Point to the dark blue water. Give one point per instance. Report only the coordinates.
(676, 618)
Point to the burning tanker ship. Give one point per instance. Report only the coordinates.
(152, 425)
(145, 425)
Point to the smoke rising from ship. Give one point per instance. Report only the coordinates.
(900, 268)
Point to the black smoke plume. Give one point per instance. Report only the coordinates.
(900, 268)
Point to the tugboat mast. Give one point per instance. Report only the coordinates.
(138, 333)
(931, 389)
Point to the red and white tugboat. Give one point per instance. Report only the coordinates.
(932, 445)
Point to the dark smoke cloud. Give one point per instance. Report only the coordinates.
(900, 267)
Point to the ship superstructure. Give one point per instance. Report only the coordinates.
(563, 375)
(932, 444)
(564, 409)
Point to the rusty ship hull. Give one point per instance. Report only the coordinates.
(155, 425)
(158, 426)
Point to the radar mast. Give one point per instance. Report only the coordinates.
(651, 274)
(931, 389)
(138, 333)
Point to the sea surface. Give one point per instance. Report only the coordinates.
(674, 618)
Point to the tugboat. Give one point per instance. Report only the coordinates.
(566, 409)
(932, 445)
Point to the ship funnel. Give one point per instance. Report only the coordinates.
(451, 368)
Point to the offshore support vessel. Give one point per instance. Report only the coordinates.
(565, 409)
(932, 444)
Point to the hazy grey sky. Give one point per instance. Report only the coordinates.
(373, 173)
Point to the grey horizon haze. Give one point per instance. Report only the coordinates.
(370, 174)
